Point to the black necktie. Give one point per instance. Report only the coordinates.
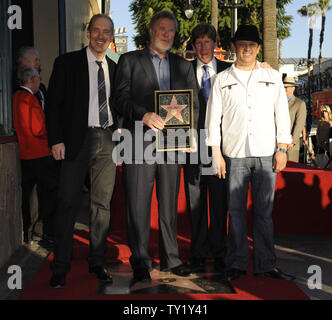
(206, 84)
(39, 95)
(102, 101)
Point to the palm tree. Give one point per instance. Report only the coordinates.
(324, 5)
(283, 22)
(309, 11)
(270, 33)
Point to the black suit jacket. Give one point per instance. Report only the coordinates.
(67, 101)
(136, 81)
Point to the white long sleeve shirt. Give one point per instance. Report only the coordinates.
(200, 71)
(253, 111)
(93, 120)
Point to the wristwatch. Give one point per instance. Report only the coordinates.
(283, 150)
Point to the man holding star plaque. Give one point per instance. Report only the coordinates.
(155, 89)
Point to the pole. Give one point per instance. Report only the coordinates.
(214, 14)
(234, 18)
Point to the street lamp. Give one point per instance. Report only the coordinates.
(234, 6)
(189, 11)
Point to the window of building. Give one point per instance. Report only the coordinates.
(6, 122)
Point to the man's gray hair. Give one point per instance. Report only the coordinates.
(25, 74)
(162, 15)
(23, 53)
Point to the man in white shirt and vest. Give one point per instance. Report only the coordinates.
(251, 105)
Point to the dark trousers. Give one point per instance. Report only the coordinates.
(139, 181)
(94, 158)
(201, 190)
(43, 172)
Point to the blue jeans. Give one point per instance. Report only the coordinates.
(259, 172)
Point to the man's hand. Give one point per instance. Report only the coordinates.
(153, 121)
(218, 162)
(265, 65)
(290, 146)
(58, 151)
(279, 161)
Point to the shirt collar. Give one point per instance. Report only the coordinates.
(290, 98)
(212, 64)
(155, 55)
(91, 57)
(27, 89)
(257, 66)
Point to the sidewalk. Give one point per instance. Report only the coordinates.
(296, 255)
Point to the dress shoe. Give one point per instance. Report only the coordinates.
(58, 280)
(233, 273)
(197, 265)
(219, 264)
(182, 270)
(277, 274)
(141, 274)
(103, 273)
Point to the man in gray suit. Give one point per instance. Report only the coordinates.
(139, 74)
(297, 112)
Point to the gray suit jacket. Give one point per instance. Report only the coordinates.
(297, 112)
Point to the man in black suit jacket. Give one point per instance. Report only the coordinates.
(139, 74)
(197, 185)
(78, 100)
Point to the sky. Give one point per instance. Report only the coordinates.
(294, 47)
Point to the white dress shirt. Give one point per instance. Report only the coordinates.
(200, 70)
(254, 113)
(93, 89)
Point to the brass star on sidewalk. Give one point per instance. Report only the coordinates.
(165, 282)
(174, 110)
(161, 278)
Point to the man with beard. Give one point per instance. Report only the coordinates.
(139, 74)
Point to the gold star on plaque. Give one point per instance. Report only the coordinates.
(174, 110)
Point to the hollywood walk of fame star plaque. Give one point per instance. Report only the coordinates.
(175, 107)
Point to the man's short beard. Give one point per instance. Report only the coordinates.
(163, 49)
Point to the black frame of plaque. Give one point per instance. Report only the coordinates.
(186, 125)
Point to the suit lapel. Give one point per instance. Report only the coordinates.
(83, 71)
(147, 66)
(292, 102)
(195, 69)
(172, 69)
(219, 66)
